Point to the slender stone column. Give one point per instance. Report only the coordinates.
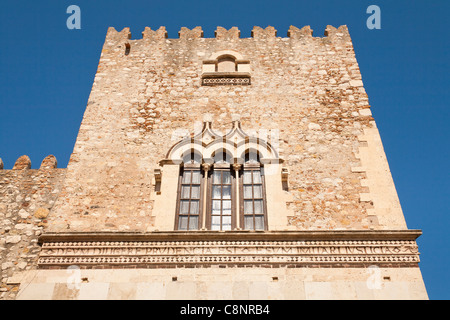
(206, 167)
(237, 167)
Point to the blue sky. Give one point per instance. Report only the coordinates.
(47, 72)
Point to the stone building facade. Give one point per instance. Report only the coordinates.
(215, 168)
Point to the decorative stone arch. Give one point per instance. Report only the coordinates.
(235, 143)
(232, 53)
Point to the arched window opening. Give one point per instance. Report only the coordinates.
(192, 158)
(252, 157)
(226, 64)
(222, 157)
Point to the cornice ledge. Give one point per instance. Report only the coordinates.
(324, 235)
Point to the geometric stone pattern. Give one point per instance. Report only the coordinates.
(225, 81)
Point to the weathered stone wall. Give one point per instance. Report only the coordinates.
(224, 284)
(26, 197)
(308, 90)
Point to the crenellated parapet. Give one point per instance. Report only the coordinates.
(296, 33)
(187, 34)
(224, 34)
(49, 162)
(340, 33)
(114, 35)
(221, 33)
(24, 163)
(149, 34)
(267, 33)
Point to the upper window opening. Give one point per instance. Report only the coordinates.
(226, 67)
(226, 64)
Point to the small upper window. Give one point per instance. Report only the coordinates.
(226, 67)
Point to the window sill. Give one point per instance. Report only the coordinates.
(225, 78)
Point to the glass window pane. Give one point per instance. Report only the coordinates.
(221, 158)
(257, 191)
(194, 207)
(216, 207)
(248, 192)
(216, 192)
(248, 206)
(185, 192)
(226, 223)
(184, 207)
(259, 222)
(226, 177)
(217, 177)
(187, 177)
(248, 223)
(258, 207)
(182, 222)
(195, 192)
(226, 192)
(247, 177)
(193, 222)
(226, 207)
(215, 223)
(256, 176)
(196, 175)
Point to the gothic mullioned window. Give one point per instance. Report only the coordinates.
(221, 183)
(222, 200)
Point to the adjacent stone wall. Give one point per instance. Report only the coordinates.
(26, 197)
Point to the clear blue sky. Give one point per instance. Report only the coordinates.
(46, 74)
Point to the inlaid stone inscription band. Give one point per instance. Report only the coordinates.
(229, 249)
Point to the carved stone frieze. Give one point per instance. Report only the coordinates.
(225, 81)
(228, 252)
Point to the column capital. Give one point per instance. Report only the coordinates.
(237, 166)
(206, 166)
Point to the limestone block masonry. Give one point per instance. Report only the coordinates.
(26, 198)
(333, 228)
